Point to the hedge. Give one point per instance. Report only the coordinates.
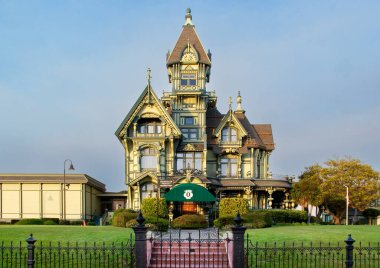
(30, 222)
(231, 206)
(190, 221)
(263, 218)
(122, 216)
(153, 224)
(149, 208)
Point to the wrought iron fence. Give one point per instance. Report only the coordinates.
(48, 254)
(327, 255)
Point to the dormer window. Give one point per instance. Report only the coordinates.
(188, 80)
(229, 134)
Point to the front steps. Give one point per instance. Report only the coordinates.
(189, 254)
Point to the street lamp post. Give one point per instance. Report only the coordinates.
(65, 185)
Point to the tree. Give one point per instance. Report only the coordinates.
(306, 191)
(362, 181)
(327, 186)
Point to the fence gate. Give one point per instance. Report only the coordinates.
(189, 248)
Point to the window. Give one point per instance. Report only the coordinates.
(189, 159)
(188, 80)
(188, 120)
(229, 134)
(149, 158)
(149, 126)
(228, 167)
(148, 190)
(190, 133)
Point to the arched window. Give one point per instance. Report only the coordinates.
(229, 134)
(229, 166)
(149, 158)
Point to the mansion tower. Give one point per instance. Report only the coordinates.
(182, 137)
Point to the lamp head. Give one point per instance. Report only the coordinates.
(71, 167)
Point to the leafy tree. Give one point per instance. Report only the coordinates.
(307, 191)
(327, 186)
(362, 181)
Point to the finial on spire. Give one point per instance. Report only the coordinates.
(148, 76)
(188, 17)
(238, 101)
(230, 103)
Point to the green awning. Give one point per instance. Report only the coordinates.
(189, 192)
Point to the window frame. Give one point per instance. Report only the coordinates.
(229, 163)
(149, 158)
(228, 137)
(193, 158)
(190, 133)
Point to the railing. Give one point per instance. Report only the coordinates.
(69, 254)
(282, 255)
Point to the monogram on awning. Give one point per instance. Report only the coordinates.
(189, 192)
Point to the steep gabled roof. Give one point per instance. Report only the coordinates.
(146, 96)
(230, 117)
(188, 36)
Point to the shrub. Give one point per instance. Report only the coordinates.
(224, 222)
(231, 206)
(149, 208)
(64, 222)
(258, 219)
(76, 222)
(190, 221)
(155, 224)
(49, 222)
(55, 220)
(131, 223)
(122, 216)
(30, 222)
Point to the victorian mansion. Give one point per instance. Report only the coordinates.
(182, 137)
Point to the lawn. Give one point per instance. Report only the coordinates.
(315, 234)
(109, 234)
(55, 233)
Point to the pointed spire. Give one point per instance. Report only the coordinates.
(188, 17)
(148, 76)
(238, 101)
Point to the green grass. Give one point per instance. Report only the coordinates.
(109, 234)
(315, 234)
(55, 233)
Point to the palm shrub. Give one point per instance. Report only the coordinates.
(122, 216)
(190, 221)
(231, 206)
(149, 207)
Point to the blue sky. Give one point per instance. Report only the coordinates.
(71, 70)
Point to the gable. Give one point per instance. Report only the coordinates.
(147, 106)
(229, 119)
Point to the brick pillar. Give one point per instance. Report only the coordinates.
(140, 242)
(238, 232)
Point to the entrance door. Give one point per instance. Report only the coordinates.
(189, 208)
